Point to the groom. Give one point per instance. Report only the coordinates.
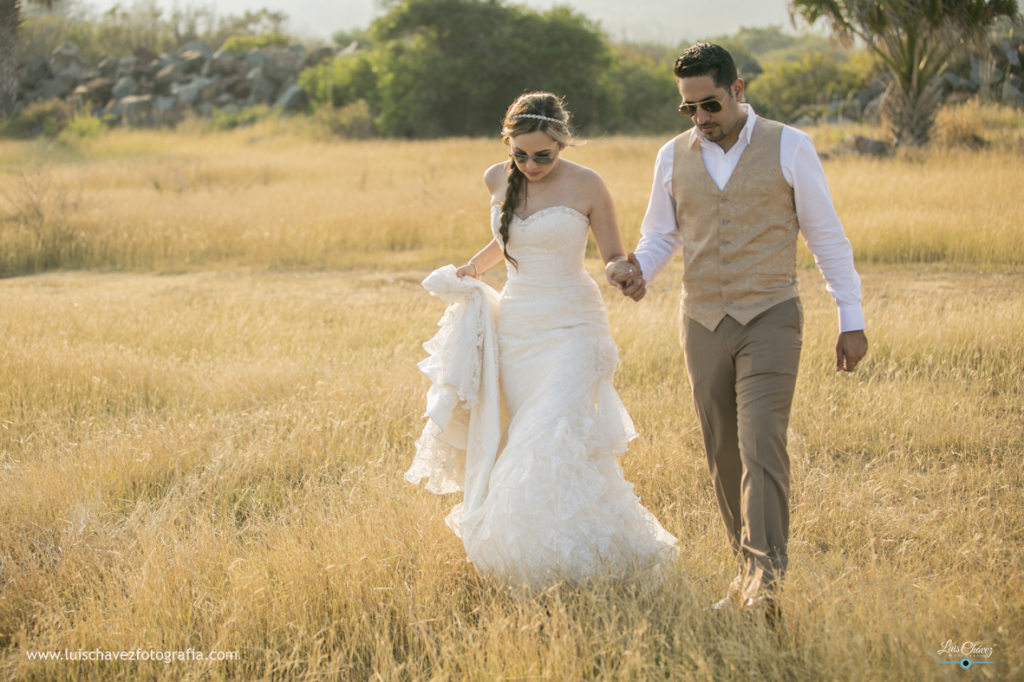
(731, 195)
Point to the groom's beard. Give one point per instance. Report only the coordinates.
(713, 133)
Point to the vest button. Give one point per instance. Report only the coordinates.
(725, 222)
(726, 242)
(728, 303)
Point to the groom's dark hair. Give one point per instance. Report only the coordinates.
(706, 59)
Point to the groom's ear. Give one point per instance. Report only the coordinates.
(738, 89)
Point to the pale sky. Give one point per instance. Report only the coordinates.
(665, 21)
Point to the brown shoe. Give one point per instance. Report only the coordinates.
(766, 604)
(733, 598)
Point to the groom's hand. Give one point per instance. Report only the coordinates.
(850, 349)
(638, 288)
(625, 275)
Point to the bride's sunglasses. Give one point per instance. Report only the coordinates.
(539, 160)
(712, 106)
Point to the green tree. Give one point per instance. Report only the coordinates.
(452, 67)
(642, 90)
(915, 40)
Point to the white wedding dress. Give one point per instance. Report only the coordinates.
(556, 504)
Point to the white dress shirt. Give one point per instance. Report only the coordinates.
(660, 240)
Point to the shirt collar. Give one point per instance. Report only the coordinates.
(748, 128)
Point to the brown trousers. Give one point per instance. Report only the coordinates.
(743, 379)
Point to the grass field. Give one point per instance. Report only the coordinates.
(209, 396)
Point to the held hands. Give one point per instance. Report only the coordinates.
(850, 349)
(625, 275)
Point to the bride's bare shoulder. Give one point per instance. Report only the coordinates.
(496, 177)
(584, 178)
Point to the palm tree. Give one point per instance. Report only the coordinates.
(10, 22)
(915, 40)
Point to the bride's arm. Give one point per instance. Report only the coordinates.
(487, 257)
(621, 273)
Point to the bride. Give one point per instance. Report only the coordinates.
(555, 504)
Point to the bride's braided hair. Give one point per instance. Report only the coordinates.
(532, 104)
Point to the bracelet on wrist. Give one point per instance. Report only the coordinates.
(475, 268)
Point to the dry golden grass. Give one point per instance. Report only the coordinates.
(168, 203)
(213, 459)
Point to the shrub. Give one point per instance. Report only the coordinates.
(47, 118)
(352, 120)
(84, 126)
(818, 78)
(226, 120)
(340, 81)
(239, 44)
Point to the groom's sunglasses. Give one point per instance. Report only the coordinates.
(712, 106)
(539, 160)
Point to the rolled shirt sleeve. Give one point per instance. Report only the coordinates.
(821, 227)
(660, 240)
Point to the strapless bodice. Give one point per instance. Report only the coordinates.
(548, 245)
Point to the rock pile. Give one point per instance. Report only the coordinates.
(148, 89)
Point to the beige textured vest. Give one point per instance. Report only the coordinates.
(739, 243)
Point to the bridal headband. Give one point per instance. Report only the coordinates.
(539, 117)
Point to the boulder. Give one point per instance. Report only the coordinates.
(951, 81)
(168, 76)
(873, 110)
(108, 67)
(254, 58)
(165, 60)
(114, 110)
(198, 90)
(126, 66)
(1012, 95)
(144, 56)
(125, 87)
(196, 46)
(66, 61)
(292, 99)
(137, 110)
(50, 88)
(262, 89)
(242, 89)
(288, 58)
(862, 146)
(168, 111)
(804, 122)
(317, 56)
(273, 71)
(96, 92)
(222, 64)
(849, 109)
(228, 84)
(1012, 55)
(983, 74)
(35, 71)
(193, 61)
